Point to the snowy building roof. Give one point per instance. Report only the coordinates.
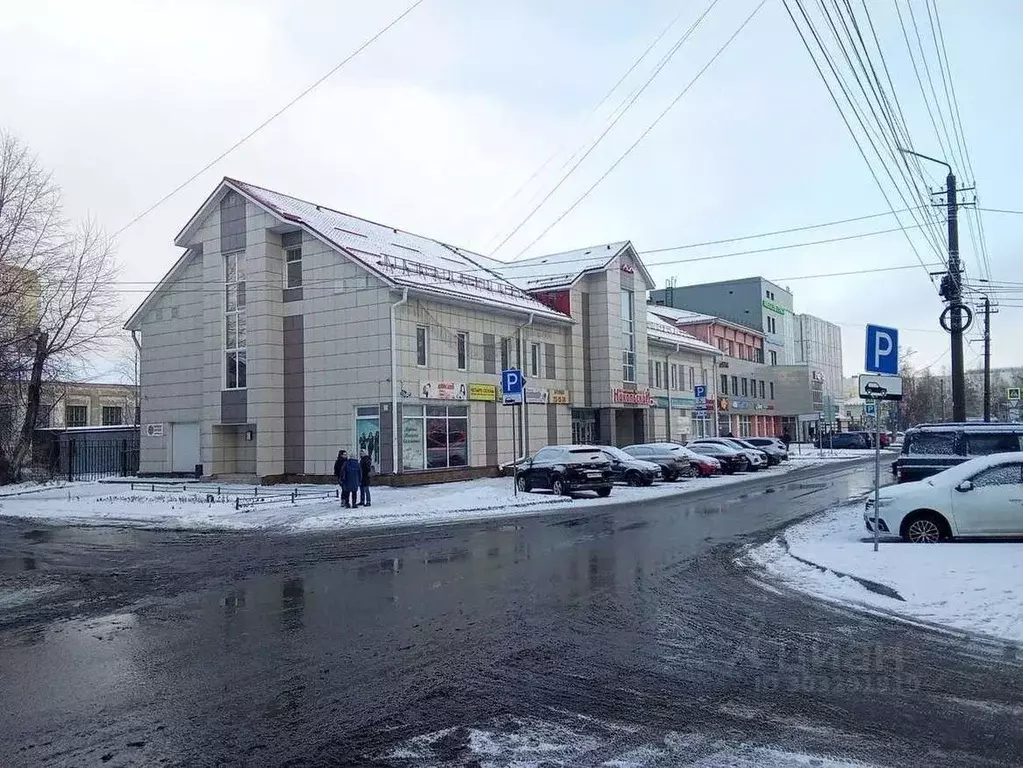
(401, 257)
(658, 329)
(686, 317)
(558, 270)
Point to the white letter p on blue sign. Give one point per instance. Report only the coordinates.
(882, 350)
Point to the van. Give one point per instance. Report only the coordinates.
(931, 448)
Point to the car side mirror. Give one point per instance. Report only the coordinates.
(964, 486)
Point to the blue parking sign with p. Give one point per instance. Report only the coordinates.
(700, 392)
(882, 350)
(512, 382)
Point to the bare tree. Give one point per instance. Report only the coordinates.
(57, 295)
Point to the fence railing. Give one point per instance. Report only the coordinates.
(87, 457)
(242, 499)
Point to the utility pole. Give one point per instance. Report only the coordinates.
(954, 296)
(956, 317)
(987, 359)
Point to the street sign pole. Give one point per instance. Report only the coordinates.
(877, 466)
(515, 461)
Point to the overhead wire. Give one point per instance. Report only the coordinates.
(647, 131)
(665, 60)
(848, 124)
(305, 92)
(543, 166)
(899, 134)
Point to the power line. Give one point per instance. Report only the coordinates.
(644, 134)
(919, 79)
(848, 125)
(590, 114)
(632, 100)
(270, 119)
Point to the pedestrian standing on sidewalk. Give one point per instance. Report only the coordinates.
(339, 471)
(366, 465)
(351, 477)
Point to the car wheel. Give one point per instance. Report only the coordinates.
(634, 479)
(925, 528)
(670, 475)
(559, 488)
(523, 484)
(648, 482)
(604, 492)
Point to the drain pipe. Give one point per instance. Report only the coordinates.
(395, 426)
(522, 414)
(136, 416)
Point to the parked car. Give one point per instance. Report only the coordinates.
(979, 497)
(930, 448)
(673, 459)
(628, 469)
(732, 459)
(844, 440)
(773, 455)
(757, 458)
(763, 443)
(567, 469)
(706, 466)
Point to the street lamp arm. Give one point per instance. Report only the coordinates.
(926, 157)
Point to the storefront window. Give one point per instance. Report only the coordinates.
(628, 337)
(435, 437)
(367, 432)
(745, 426)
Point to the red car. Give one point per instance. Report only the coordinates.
(886, 439)
(705, 466)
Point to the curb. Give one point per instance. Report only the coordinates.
(871, 586)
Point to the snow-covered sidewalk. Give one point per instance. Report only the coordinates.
(971, 586)
(212, 507)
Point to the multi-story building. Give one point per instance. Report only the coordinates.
(818, 345)
(744, 386)
(752, 302)
(288, 330)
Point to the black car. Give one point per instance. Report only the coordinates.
(629, 469)
(732, 459)
(843, 440)
(931, 448)
(671, 457)
(566, 469)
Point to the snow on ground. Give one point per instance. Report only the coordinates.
(971, 586)
(211, 506)
(804, 453)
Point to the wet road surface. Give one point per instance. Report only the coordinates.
(608, 636)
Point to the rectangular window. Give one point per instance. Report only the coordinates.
(422, 345)
(657, 375)
(774, 357)
(761, 389)
(745, 388)
(731, 349)
(724, 384)
(628, 337)
(112, 415)
(235, 357)
(76, 415)
(692, 378)
(291, 242)
(742, 352)
(735, 385)
(505, 353)
(772, 390)
(759, 354)
(703, 375)
(674, 377)
(462, 344)
(534, 360)
(722, 345)
(435, 437)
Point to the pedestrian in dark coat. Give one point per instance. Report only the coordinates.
(366, 465)
(339, 471)
(351, 477)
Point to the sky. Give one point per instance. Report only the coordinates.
(437, 125)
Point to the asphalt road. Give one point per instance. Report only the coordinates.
(615, 635)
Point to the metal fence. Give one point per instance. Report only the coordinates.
(88, 456)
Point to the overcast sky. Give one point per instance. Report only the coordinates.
(436, 125)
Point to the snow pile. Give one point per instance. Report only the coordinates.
(976, 586)
(208, 506)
